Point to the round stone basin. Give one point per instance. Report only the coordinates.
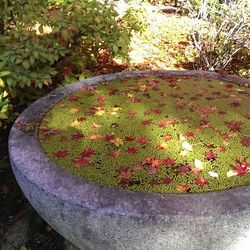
(105, 184)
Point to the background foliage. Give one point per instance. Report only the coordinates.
(36, 36)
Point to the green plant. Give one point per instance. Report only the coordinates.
(38, 36)
(4, 100)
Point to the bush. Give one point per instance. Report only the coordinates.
(37, 35)
(219, 32)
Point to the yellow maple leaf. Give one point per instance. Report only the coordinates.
(117, 141)
(100, 112)
(95, 137)
(75, 123)
(74, 110)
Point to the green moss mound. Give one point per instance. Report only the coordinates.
(157, 134)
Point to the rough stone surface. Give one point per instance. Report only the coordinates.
(95, 217)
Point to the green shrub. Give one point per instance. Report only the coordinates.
(37, 35)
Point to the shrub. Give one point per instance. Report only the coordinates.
(219, 32)
(37, 35)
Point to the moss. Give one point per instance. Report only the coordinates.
(167, 135)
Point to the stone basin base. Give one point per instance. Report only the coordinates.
(94, 217)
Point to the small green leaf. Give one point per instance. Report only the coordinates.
(26, 64)
(1, 83)
(3, 116)
(4, 73)
(23, 248)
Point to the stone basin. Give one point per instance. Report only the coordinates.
(98, 217)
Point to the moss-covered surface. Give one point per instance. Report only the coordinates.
(164, 134)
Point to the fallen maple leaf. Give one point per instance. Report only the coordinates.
(115, 154)
(88, 152)
(95, 137)
(162, 146)
(245, 141)
(109, 138)
(132, 150)
(167, 180)
(201, 182)
(167, 137)
(187, 146)
(198, 164)
(95, 126)
(146, 122)
(182, 187)
(235, 126)
(156, 163)
(117, 141)
(77, 136)
(213, 174)
(190, 134)
(129, 138)
(169, 162)
(61, 153)
(74, 110)
(210, 156)
(80, 161)
(124, 173)
(184, 169)
(142, 140)
(74, 98)
(101, 99)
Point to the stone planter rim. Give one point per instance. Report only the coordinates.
(29, 159)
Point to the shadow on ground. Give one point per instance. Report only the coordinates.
(20, 226)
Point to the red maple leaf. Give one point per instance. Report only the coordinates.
(77, 136)
(80, 161)
(87, 153)
(101, 99)
(132, 150)
(190, 134)
(184, 169)
(240, 171)
(146, 122)
(129, 138)
(235, 104)
(142, 140)
(163, 124)
(201, 181)
(61, 153)
(207, 110)
(204, 124)
(167, 137)
(136, 100)
(74, 98)
(169, 162)
(156, 111)
(195, 171)
(63, 138)
(124, 173)
(109, 138)
(114, 154)
(210, 155)
(245, 141)
(235, 126)
(167, 180)
(241, 167)
(132, 113)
